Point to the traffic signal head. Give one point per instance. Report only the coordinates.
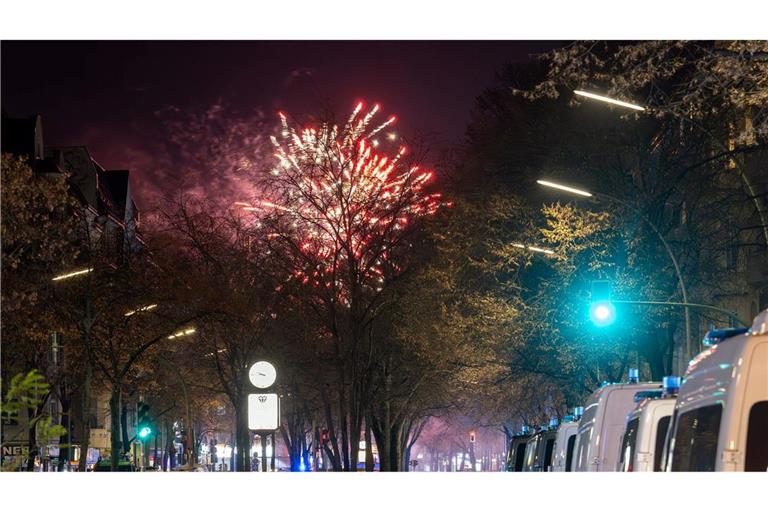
(602, 312)
(143, 425)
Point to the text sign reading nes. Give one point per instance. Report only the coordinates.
(263, 411)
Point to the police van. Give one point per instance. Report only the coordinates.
(721, 415)
(516, 451)
(565, 441)
(539, 448)
(642, 445)
(604, 421)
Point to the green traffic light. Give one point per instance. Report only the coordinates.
(602, 313)
(144, 432)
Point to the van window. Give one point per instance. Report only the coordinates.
(696, 439)
(661, 436)
(582, 462)
(548, 454)
(627, 453)
(569, 452)
(757, 442)
(530, 454)
(519, 457)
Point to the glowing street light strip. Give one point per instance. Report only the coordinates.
(181, 333)
(608, 100)
(71, 274)
(539, 249)
(535, 249)
(145, 308)
(563, 187)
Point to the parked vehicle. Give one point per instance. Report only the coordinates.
(642, 445)
(565, 441)
(721, 415)
(604, 421)
(539, 448)
(516, 451)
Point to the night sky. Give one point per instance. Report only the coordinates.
(106, 95)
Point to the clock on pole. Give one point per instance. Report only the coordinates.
(262, 374)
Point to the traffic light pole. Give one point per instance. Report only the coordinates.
(733, 316)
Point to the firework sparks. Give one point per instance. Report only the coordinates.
(343, 200)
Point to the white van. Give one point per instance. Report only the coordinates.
(642, 445)
(603, 423)
(539, 448)
(565, 441)
(721, 415)
(516, 451)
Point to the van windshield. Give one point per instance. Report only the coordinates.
(627, 453)
(696, 439)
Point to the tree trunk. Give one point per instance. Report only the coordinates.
(343, 420)
(64, 440)
(369, 462)
(86, 405)
(125, 442)
(114, 414)
(32, 438)
(242, 435)
(333, 451)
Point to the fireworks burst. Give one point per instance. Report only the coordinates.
(342, 203)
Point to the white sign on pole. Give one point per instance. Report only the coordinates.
(263, 411)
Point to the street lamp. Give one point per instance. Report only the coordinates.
(672, 257)
(752, 192)
(184, 332)
(534, 248)
(606, 99)
(139, 310)
(72, 274)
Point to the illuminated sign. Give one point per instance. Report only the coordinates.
(263, 411)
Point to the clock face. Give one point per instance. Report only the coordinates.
(262, 374)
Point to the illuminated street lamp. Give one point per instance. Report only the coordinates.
(565, 188)
(534, 249)
(179, 334)
(139, 310)
(72, 274)
(606, 99)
